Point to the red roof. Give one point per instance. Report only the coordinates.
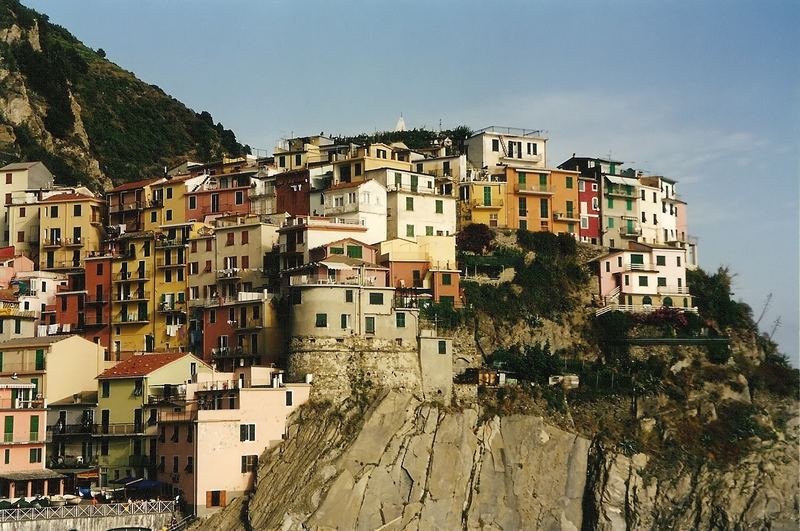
(68, 196)
(346, 185)
(141, 365)
(7, 252)
(135, 184)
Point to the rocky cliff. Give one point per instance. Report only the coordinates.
(404, 464)
(87, 119)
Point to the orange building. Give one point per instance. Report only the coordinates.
(529, 199)
(566, 212)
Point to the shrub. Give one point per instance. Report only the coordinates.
(475, 238)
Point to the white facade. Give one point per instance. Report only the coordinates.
(649, 204)
(494, 148)
(42, 287)
(363, 203)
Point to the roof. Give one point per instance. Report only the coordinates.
(342, 186)
(141, 365)
(7, 252)
(23, 475)
(134, 185)
(44, 341)
(348, 261)
(616, 179)
(19, 166)
(68, 196)
(14, 383)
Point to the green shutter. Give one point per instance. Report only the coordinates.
(569, 182)
(35, 382)
(629, 204)
(414, 182)
(637, 259)
(521, 177)
(543, 180)
(428, 231)
(410, 231)
(409, 203)
(487, 196)
(354, 251)
(9, 426)
(439, 206)
(610, 202)
(40, 360)
(35, 427)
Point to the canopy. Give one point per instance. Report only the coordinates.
(125, 481)
(146, 484)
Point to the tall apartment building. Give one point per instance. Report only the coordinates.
(18, 177)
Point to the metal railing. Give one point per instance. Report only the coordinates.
(19, 403)
(102, 510)
(118, 429)
(512, 131)
(131, 275)
(479, 203)
(569, 214)
(131, 318)
(638, 308)
(132, 296)
(673, 290)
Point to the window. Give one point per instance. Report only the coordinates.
(642, 281)
(229, 239)
(637, 259)
(298, 159)
(410, 203)
(410, 231)
(36, 455)
(321, 320)
(7, 456)
(611, 224)
(355, 251)
(662, 282)
(245, 237)
(595, 204)
(169, 193)
(247, 432)
(249, 463)
(679, 261)
(442, 347)
(216, 498)
(189, 464)
(521, 178)
(76, 210)
(9, 178)
(522, 204)
(661, 260)
(495, 144)
(584, 222)
(22, 212)
(348, 295)
(357, 168)
(103, 446)
(21, 236)
(627, 280)
(428, 230)
(569, 182)
(629, 204)
(153, 216)
(581, 186)
(369, 325)
(239, 197)
(400, 320)
(543, 208)
(610, 203)
(344, 320)
(376, 298)
(53, 211)
(289, 398)
(439, 206)
(523, 224)
(447, 279)
(194, 268)
(192, 202)
(169, 215)
(212, 316)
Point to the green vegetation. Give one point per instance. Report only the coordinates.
(475, 238)
(413, 138)
(134, 129)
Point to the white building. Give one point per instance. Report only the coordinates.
(360, 203)
(493, 148)
(38, 289)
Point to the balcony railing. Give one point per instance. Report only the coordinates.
(32, 437)
(171, 242)
(22, 368)
(621, 191)
(673, 290)
(533, 188)
(118, 429)
(20, 403)
(637, 267)
(630, 231)
(163, 263)
(52, 242)
(184, 415)
(231, 272)
(130, 276)
(568, 215)
(62, 264)
(231, 352)
(132, 296)
(479, 203)
(113, 209)
(172, 306)
(69, 429)
(74, 242)
(131, 318)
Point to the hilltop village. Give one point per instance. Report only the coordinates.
(144, 332)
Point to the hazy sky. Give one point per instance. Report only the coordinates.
(703, 92)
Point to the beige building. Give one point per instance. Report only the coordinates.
(18, 177)
(492, 149)
(360, 203)
(59, 366)
(71, 228)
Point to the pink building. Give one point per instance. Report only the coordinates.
(22, 451)
(209, 440)
(643, 278)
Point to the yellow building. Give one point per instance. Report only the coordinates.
(482, 202)
(167, 204)
(150, 286)
(565, 203)
(71, 227)
(373, 156)
(126, 421)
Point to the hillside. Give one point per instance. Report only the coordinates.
(89, 120)
(700, 432)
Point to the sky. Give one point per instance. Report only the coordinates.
(707, 93)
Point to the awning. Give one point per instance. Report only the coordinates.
(147, 484)
(125, 481)
(627, 181)
(335, 265)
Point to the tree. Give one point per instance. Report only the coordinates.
(101, 52)
(475, 238)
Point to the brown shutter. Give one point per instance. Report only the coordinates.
(222, 498)
(208, 498)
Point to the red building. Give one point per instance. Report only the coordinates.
(219, 194)
(97, 306)
(292, 193)
(589, 199)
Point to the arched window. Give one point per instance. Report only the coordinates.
(646, 300)
(667, 301)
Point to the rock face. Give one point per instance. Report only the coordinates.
(406, 465)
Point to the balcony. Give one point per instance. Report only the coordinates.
(132, 296)
(74, 242)
(621, 191)
(168, 243)
(250, 324)
(172, 306)
(231, 352)
(231, 273)
(19, 403)
(630, 231)
(51, 243)
(532, 188)
(21, 368)
(97, 298)
(130, 276)
(162, 263)
(125, 207)
(495, 204)
(159, 393)
(33, 437)
(673, 290)
(118, 429)
(93, 320)
(131, 318)
(61, 264)
(184, 415)
(569, 215)
(67, 430)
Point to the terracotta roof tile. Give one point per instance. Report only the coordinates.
(68, 196)
(141, 365)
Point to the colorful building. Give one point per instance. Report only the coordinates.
(125, 424)
(360, 203)
(529, 200)
(421, 270)
(71, 226)
(22, 469)
(565, 202)
(482, 202)
(210, 438)
(589, 199)
(19, 177)
(127, 203)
